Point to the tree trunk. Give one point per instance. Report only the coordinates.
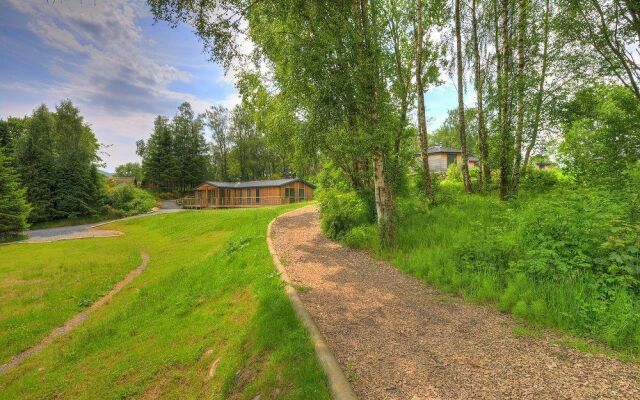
(422, 120)
(485, 172)
(461, 120)
(522, 21)
(385, 205)
(540, 94)
(505, 131)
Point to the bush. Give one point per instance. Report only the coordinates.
(539, 181)
(454, 173)
(130, 200)
(341, 212)
(633, 191)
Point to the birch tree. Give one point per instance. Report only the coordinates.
(461, 119)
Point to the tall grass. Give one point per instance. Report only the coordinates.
(536, 257)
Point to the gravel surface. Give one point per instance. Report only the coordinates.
(85, 230)
(397, 338)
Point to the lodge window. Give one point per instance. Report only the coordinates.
(301, 194)
(248, 196)
(451, 159)
(290, 193)
(257, 196)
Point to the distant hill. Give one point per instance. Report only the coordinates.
(105, 173)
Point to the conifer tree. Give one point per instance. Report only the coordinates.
(77, 190)
(158, 161)
(190, 147)
(14, 208)
(35, 159)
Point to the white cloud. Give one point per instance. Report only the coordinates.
(118, 86)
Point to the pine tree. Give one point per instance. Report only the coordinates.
(14, 208)
(76, 191)
(190, 147)
(159, 162)
(36, 163)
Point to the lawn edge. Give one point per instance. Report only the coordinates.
(338, 382)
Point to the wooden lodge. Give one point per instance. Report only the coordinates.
(249, 194)
(440, 157)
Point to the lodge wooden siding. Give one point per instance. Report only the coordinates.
(208, 195)
(438, 161)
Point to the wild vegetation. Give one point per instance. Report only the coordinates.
(564, 252)
(207, 318)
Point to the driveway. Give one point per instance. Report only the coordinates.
(39, 235)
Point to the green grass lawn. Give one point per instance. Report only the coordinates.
(43, 285)
(208, 318)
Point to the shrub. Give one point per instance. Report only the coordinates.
(537, 180)
(633, 191)
(454, 173)
(341, 212)
(131, 200)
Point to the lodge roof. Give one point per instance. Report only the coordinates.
(256, 184)
(443, 149)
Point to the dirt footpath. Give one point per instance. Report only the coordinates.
(397, 338)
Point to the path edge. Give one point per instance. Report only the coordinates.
(338, 383)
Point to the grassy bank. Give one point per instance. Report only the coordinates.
(44, 285)
(565, 258)
(208, 318)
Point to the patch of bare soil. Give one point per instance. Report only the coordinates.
(77, 319)
(397, 338)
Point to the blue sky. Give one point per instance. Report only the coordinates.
(117, 66)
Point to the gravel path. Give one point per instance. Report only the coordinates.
(397, 338)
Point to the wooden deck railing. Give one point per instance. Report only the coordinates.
(236, 201)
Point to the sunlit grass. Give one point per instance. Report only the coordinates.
(208, 318)
(468, 245)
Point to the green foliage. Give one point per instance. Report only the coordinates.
(633, 189)
(341, 211)
(56, 158)
(14, 208)
(130, 200)
(36, 163)
(541, 180)
(130, 170)
(601, 132)
(159, 163)
(454, 173)
(189, 148)
(448, 134)
(176, 156)
(558, 255)
(78, 187)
